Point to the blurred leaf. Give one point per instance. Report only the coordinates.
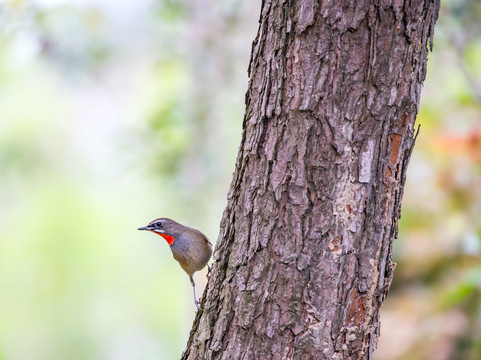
(458, 294)
(87, 50)
(171, 10)
(469, 285)
(169, 124)
(468, 145)
(415, 218)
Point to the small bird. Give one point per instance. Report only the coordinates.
(189, 246)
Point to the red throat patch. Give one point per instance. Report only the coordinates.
(168, 238)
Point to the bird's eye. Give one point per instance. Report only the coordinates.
(158, 225)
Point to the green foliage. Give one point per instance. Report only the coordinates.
(169, 132)
(469, 286)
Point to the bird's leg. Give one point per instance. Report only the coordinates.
(195, 298)
(209, 269)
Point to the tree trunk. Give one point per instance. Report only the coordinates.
(303, 260)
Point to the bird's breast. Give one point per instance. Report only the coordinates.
(191, 252)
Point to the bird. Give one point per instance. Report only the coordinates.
(190, 247)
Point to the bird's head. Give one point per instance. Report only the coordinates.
(164, 227)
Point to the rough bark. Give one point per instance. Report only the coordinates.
(303, 260)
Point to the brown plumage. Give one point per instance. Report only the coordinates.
(189, 246)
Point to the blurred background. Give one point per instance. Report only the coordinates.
(115, 112)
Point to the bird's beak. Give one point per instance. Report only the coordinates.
(143, 228)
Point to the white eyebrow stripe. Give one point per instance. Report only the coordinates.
(155, 222)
